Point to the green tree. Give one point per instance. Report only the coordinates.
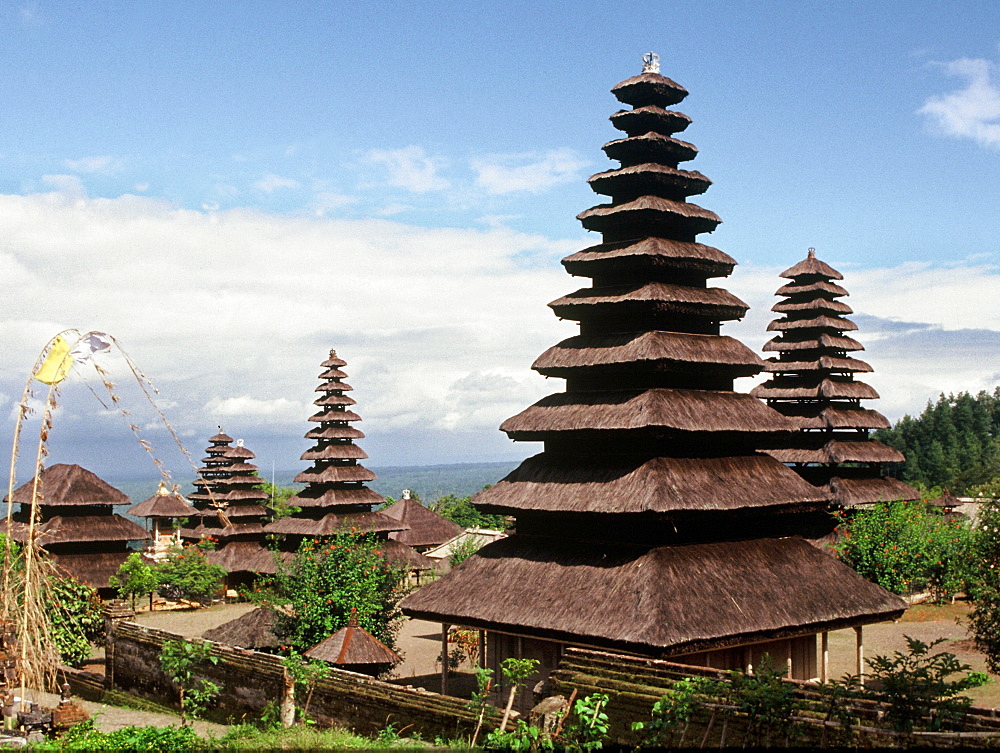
(187, 574)
(984, 621)
(77, 622)
(327, 578)
(278, 505)
(460, 510)
(180, 659)
(135, 578)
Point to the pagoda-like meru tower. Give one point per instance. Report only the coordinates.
(650, 523)
(814, 385)
(230, 504)
(335, 498)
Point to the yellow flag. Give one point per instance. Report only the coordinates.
(57, 364)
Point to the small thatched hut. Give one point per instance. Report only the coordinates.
(355, 649)
(77, 525)
(253, 630)
(650, 522)
(426, 529)
(814, 385)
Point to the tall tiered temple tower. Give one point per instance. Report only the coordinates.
(814, 385)
(650, 523)
(335, 497)
(230, 504)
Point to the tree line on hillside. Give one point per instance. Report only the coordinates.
(953, 444)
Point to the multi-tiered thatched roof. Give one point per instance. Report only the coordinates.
(814, 385)
(230, 504)
(76, 524)
(650, 510)
(335, 498)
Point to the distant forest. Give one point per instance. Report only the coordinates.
(954, 444)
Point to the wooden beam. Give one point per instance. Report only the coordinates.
(825, 672)
(444, 658)
(859, 654)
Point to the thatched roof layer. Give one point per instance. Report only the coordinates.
(832, 364)
(163, 505)
(253, 630)
(665, 600)
(404, 557)
(427, 528)
(863, 491)
(311, 497)
(641, 120)
(328, 525)
(86, 528)
(839, 451)
(825, 388)
(652, 296)
(353, 645)
(605, 216)
(678, 410)
(657, 485)
(64, 485)
(649, 177)
(649, 89)
(650, 147)
(92, 568)
(811, 267)
(654, 252)
(243, 556)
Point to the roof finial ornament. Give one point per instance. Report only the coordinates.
(406, 493)
(812, 253)
(333, 353)
(650, 63)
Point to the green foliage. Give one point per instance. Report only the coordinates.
(906, 547)
(984, 621)
(671, 715)
(76, 619)
(83, 737)
(324, 581)
(135, 578)
(460, 510)
(463, 550)
(187, 574)
(179, 659)
(918, 688)
(952, 444)
(767, 701)
(304, 673)
(587, 728)
(278, 505)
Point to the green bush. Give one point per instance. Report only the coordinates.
(83, 737)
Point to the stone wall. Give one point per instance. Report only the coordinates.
(250, 680)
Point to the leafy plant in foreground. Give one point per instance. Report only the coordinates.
(179, 659)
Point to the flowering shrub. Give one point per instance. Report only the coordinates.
(324, 581)
(187, 574)
(905, 547)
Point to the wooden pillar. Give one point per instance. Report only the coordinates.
(825, 648)
(444, 658)
(482, 649)
(859, 655)
(788, 661)
(748, 660)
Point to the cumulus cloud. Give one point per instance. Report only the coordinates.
(410, 168)
(534, 173)
(271, 183)
(97, 164)
(972, 111)
(68, 184)
(245, 405)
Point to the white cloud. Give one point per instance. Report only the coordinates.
(410, 168)
(327, 201)
(271, 183)
(245, 405)
(97, 164)
(972, 112)
(500, 174)
(67, 184)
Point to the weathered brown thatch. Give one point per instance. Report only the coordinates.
(945, 500)
(650, 177)
(335, 473)
(677, 599)
(820, 322)
(335, 452)
(92, 568)
(333, 523)
(163, 504)
(253, 630)
(63, 485)
(426, 527)
(84, 528)
(650, 147)
(649, 89)
(658, 485)
(331, 497)
(824, 363)
(832, 342)
(655, 348)
(863, 491)
(654, 253)
(243, 557)
(825, 388)
(817, 304)
(811, 267)
(650, 118)
(682, 410)
(653, 210)
(653, 297)
(353, 645)
(404, 557)
(838, 451)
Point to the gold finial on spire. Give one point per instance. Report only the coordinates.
(812, 252)
(333, 353)
(650, 63)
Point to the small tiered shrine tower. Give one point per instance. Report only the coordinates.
(650, 523)
(77, 525)
(230, 508)
(814, 385)
(335, 498)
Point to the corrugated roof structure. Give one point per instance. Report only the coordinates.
(814, 384)
(650, 520)
(229, 502)
(76, 524)
(335, 497)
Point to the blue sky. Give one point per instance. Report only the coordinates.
(233, 188)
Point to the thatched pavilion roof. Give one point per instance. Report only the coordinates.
(253, 630)
(426, 527)
(353, 645)
(666, 600)
(66, 485)
(92, 568)
(164, 504)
